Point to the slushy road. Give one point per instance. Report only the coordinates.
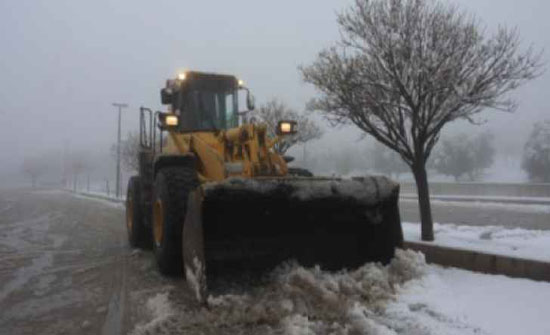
(66, 267)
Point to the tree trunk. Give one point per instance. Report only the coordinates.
(422, 186)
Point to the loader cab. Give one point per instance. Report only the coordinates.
(203, 101)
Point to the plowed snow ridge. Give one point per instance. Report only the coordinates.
(297, 300)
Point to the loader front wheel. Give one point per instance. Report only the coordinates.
(138, 234)
(172, 186)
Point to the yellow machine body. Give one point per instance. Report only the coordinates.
(213, 196)
(244, 151)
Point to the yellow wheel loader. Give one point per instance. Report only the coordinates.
(212, 196)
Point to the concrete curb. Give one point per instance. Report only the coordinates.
(503, 200)
(483, 262)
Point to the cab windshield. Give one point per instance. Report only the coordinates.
(210, 110)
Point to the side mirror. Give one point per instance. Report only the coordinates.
(286, 128)
(166, 96)
(250, 101)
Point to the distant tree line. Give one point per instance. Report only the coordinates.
(464, 156)
(536, 155)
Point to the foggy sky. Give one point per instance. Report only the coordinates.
(63, 62)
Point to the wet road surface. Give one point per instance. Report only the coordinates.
(66, 267)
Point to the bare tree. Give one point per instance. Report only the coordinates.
(34, 167)
(274, 111)
(406, 68)
(129, 152)
(536, 155)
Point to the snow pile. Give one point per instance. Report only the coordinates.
(319, 301)
(405, 297)
(517, 242)
(298, 300)
(194, 276)
(161, 310)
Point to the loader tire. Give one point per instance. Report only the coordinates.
(138, 234)
(171, 190)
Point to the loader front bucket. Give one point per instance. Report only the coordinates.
(255, 224)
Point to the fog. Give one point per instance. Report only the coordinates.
(63, 63)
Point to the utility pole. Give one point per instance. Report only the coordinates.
(304, 155)
(64, 180)
(119, 106)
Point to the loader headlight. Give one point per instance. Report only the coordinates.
(167, 121)
(286, 127)
(240, 82)
(171, 120)
(182, 76)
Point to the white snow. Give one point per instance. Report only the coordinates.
(517, 242)
(109, 201)
(366, 189)
(453, 301)
(194, 277)
(405, 297)
(297, 325)
(160, 309)
(298, 300)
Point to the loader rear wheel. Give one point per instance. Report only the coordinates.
(138, 234)
(172, 186)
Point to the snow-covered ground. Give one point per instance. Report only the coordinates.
(516, 242)
(453, 301)
(406, 297)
